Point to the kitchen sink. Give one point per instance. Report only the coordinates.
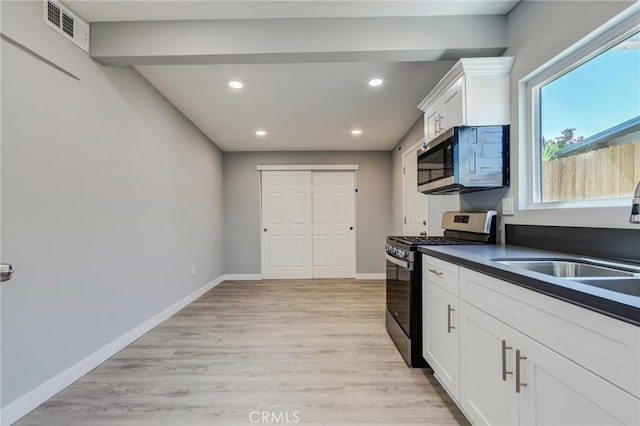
(630, 286)
(614, 277)
(571, 268)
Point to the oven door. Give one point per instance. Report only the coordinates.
(399, 274)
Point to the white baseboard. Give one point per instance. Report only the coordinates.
(32, 399)
(258, 277)
(243, 277)
(381, 276)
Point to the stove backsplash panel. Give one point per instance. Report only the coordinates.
(608, 243)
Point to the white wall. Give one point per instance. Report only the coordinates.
(109, 195)
(537, 32)
(242, 204)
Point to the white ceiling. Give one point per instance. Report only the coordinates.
(302, 106)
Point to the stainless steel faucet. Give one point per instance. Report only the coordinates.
(635, 206)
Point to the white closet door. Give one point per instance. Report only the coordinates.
(415, 203)
(333, 224)
(286, 223)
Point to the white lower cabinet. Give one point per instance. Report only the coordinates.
(511, 356)
(486, 369)
(558, 391)
(507, 378)
(440, 335)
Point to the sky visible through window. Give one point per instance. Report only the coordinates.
(596, 96)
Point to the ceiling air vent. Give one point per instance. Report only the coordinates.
(53, 14)
(67, 23)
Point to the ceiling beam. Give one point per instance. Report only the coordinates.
(297, 40)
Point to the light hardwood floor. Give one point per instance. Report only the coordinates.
(310, 350)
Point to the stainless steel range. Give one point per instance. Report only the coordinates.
(404, 276)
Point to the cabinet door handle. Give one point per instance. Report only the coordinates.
(518, 383)
(435, 271)
(6, 272)
(435, 124)
(449, 326)
(504, 360)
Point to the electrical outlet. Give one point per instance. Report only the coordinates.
(508, 207)
(193, 269)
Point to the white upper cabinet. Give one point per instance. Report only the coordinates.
(475, 92)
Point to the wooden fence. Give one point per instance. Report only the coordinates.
(604, 173)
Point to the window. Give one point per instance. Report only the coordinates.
(585, 123)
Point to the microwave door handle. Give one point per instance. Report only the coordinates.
(472, 163)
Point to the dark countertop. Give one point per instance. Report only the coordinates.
(479, 258)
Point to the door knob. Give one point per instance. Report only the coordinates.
(6, 272)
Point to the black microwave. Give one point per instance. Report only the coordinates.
(465, 159)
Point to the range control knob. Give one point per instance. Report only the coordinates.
(402, 253)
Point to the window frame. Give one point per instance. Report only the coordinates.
(530, 187)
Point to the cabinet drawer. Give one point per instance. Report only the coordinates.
(440, 273)
(603, 345)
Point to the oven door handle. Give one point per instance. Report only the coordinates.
(401, 263)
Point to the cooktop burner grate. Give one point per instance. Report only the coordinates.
(432, 241)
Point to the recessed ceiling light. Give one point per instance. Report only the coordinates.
(356, 132)
(375, 82)
(236, 84)
(261, 133)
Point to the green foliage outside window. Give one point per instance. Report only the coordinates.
(550, 147)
